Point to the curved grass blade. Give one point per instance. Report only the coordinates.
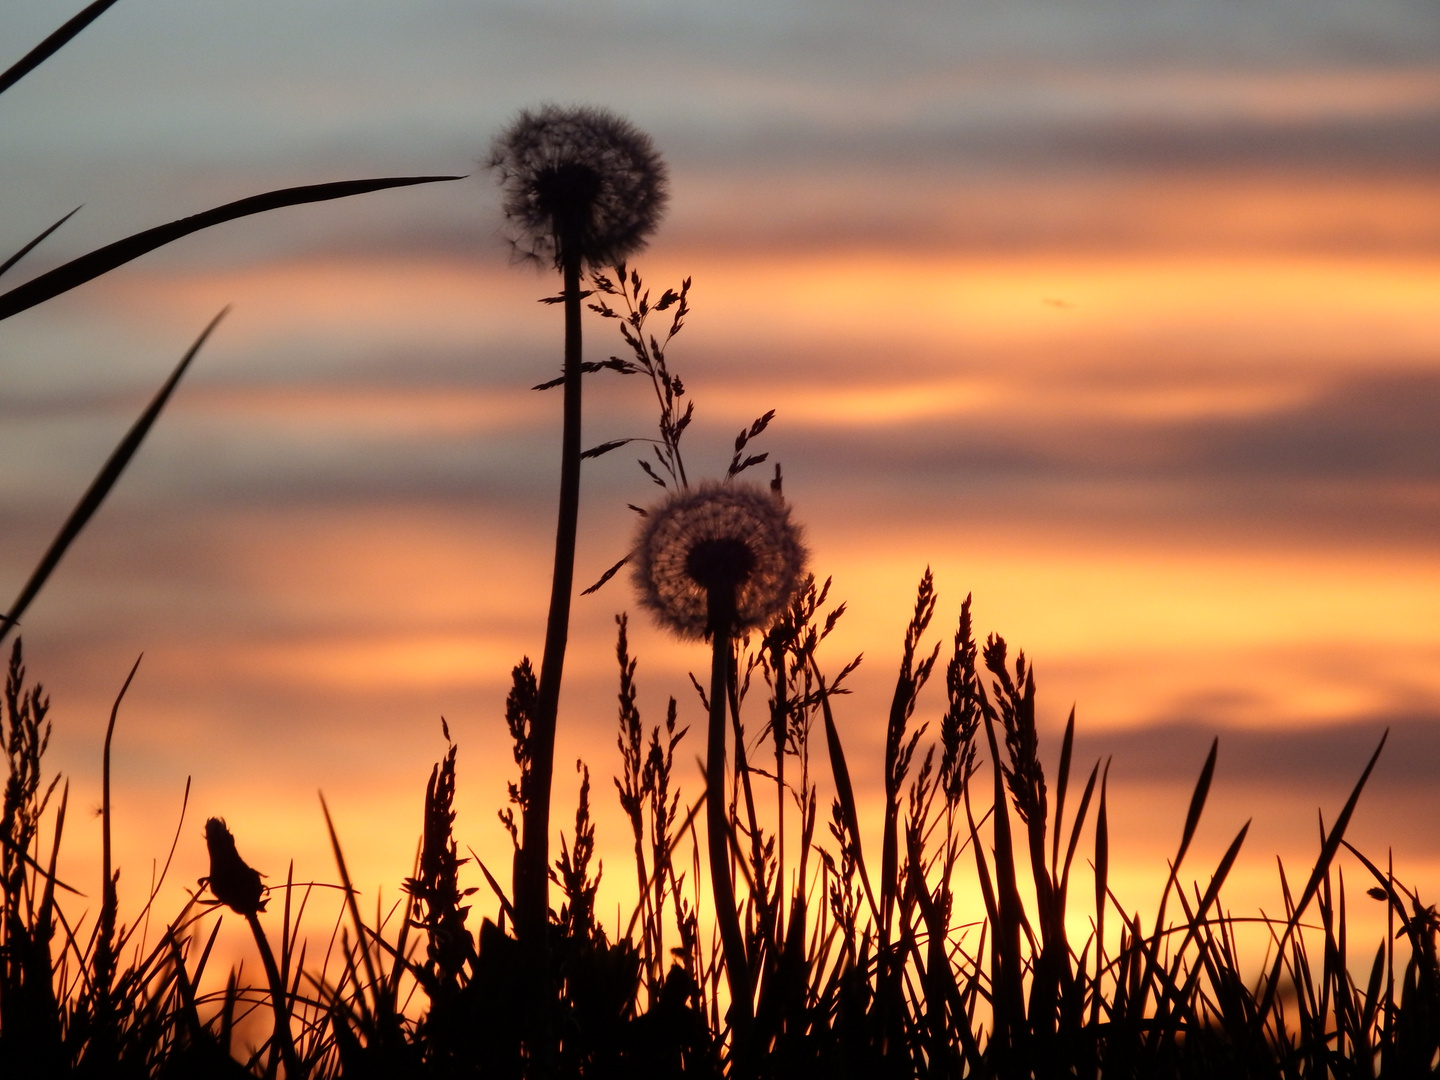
(101, 485)
(105, 945)
(8, 263)
(52, 44)
(102, 260)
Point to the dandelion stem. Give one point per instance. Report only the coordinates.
(557, 629)
(532, 900)
(737, 970)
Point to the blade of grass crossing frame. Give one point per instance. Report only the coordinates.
(101, 485)
(109, 902)
(505, 904)
(102, 260)
(1102, 885)
(8, 263)
(1192, 821)
(1322, 865)
(843, 787)
(1207, 901)
(52, 44)
(350, 903)
(205, 953)
(1062, 781)
(658, 871)
(47, 895)
(1379, 876)
(1075, 828)
(1372, 992)
(287, 943)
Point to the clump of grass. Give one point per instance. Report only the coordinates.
(96, 1001)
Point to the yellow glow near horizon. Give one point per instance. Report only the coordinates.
(1230, 307)
(1258, 304)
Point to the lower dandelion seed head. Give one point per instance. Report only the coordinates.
(700, 548)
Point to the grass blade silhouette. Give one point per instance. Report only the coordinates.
(102, 260)
(101, 485)
(1322, 865)
(29, 860)
(8, 263)
(844, 790)
(52, 44)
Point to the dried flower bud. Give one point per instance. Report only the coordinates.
(580, 180)
(702, 547)
(233, 883)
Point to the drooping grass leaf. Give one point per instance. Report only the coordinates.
(102, 260)
(1192, 822)
(101, 485)
(52, 44)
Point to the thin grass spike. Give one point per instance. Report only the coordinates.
(101, 485)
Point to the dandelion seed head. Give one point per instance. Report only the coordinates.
(582, 177)
(716, 539)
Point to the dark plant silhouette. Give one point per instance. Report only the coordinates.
(238, 886)
(582, 189)
(713, 563)
(995, 993)
(834, 965)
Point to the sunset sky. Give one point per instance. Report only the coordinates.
(1123, 317)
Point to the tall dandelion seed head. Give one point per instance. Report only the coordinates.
(582, 177)
(699, 547)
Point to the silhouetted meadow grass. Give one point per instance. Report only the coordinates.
(822, 956)
(766, 940)
(860, 963)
